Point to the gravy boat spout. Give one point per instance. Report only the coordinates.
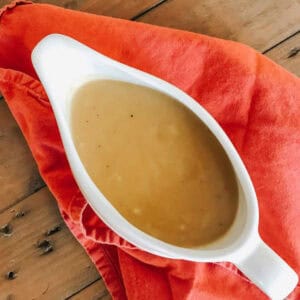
(63, 65)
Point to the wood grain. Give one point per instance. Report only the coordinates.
(67, 269)
(96, 291)
(19, 175)
(67, 272)
(260, 24)
(56, 275)
(114, 8)
(287, 54)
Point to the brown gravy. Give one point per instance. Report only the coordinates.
(155, 161)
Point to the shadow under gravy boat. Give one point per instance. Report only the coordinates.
(63, 65)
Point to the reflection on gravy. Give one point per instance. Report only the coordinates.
(155, 161)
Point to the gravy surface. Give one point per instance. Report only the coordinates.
(155, 161)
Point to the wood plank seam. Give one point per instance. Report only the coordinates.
(287, 54)
(148, 9)
(77, 292)
(41, 185)
(257, 21)
(136, 17)
(32, 235)
(281, 42)
(24, 197)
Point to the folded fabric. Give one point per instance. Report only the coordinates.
(255, 101)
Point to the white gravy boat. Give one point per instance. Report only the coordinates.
(63, 64)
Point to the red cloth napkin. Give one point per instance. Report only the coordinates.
(256, 102)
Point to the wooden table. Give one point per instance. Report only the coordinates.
(26, 272)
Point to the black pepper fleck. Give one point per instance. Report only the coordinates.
(11, 275)
(48, 250)
(53, 230)
(20, 214)
(6, 229)
(43, 243)
(293, 52)
(46, 246)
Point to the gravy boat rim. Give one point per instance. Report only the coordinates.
(49, 48)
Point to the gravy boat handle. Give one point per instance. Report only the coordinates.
(268, 271)
(61, 63)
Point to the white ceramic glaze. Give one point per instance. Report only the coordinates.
(63, 64)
